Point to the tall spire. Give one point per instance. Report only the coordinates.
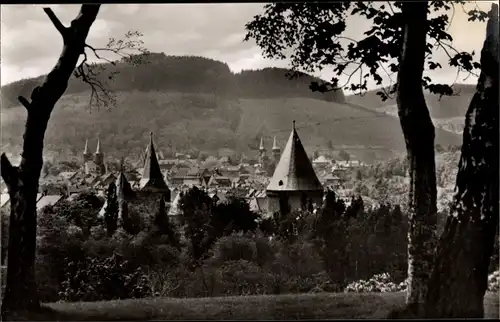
(99, 157)
(152, 178)
(122, 164)
(124, 189)
(98, 149)
(275, 146)
(261, 147)
(86, 151)
(294, 171)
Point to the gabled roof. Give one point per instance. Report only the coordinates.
(48, 200)
(294, 171)
(68, 175)
(152, 178)
(4, 199)
(195, 171)
(321, 159)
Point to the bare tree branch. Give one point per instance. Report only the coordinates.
(8, 171)
(95, 50)
(25, 103)
(57, 23)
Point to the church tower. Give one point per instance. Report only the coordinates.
(294, 184)
(276, 152)
(99, 158)
(87, 156)
(152, 179)
(262, 152)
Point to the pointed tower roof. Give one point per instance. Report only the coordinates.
(152, 178)
(261, 147)
(98, 149)
(86, 151)
(294, 171)
(275, 146)
(123, 187)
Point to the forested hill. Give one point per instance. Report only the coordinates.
(187, 74)
(195, 103)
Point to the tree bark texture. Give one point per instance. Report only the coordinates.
(460, 275)
(418, 131)
(22, 180)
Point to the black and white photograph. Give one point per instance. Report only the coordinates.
(249, 161)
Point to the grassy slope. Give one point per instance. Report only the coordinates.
(271, 307)
(446, 107)
(209, 122)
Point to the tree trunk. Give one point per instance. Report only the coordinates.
(460, 275)
(22, 181)
(418, 132)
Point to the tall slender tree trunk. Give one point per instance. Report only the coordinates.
(22, 181)
(460, 275)
(418, 132)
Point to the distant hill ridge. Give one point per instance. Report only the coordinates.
(198, 103)
(188, 74)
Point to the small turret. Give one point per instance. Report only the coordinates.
(87, 156)
(262, 152)
(261, 147)
(99, 158)
(276, 151)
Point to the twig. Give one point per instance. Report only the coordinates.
(95, 50)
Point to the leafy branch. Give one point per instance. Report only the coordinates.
(312, 37)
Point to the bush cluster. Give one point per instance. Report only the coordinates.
(220, 250)
(110, 278)
(494, 281)
(378, 283)
(225, 249)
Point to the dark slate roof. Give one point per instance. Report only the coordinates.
(123, 187)
(152, 178)
(294, 171)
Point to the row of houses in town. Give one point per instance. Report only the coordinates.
(295, 178)
(41, 201)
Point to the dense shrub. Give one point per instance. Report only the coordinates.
(494, 281)
(235, 248)
(242, 277)
(218, 255)
(96, 279)
(378, 283)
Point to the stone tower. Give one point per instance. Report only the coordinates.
(276, 151)
(99, 158)
(294, 184)
(152, 179)
(262, 153)
(87, 156)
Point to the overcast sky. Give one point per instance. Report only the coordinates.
(30, 45)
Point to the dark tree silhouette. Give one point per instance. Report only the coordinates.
(22, 180)
(460, 276)
(111, 211)
(196, 207)
(402, 40)
(164, 226)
